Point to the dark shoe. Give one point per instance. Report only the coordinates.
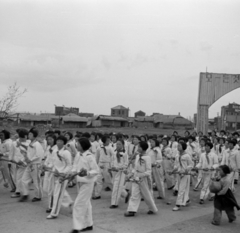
(201, 201)
(159, 198)
(107, 189)
(35, 199)
(195, 189)
(142, 199)
(155, 189)
(13, 191)
(214, 223)
(15, 195)
(48, 210)
(74, 231)
(171, 187)
(87, 229)
(113, 206)
(129, 214)
(235, 181)
(232, 220)
(96, 198)
(175, 193)
(150, 212)
(211, 199)
(188, 202)
(23, 198)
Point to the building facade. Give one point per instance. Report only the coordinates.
(62, 110)
(120, 111)
(139, 114)
(230, 117)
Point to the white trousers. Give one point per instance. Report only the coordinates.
(48, 187)
(19, 174)
(206, 178)
(139, 191)
(168, 166)
(7, 173)
(60, 197)
(105, 176)
(32, 172)
(158, 177)
(199, 179)
(118, 187)
(82, 209)
(183, 190)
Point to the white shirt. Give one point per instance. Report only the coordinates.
(35, 152)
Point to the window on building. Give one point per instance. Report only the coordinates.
(113, 112)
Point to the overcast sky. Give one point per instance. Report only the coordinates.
(145, 55)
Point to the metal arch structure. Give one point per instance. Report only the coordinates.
(213, 86)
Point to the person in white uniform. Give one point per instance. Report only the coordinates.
(87, 170)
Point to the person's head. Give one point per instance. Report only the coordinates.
(51, 139)
(173, 138)
(83, 144)
(49, 132)
(57, 133)
(142, 147)
(93, 137)
(114, 138)
(22, 135)
(194, 134)
(136, 140)
(231, 144)
(32, 134)
(106, 140)
(99, 136)
(187, 134)
(175, 133)
(154, 143)
(4, 135)
(208, 147)
(215, 140)
(120, 145)
(222, 133)
(235, 135)
(165, 141)
(143, 138)
(191, 139)
(68, 136)
(182, 146)
(61, 141)
(200, 134)
(224, 170)
(202, 142)
(222, 141)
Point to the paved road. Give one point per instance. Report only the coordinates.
(31, 217)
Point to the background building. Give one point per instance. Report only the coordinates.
(230, 117)
(62, 110)
(139, 113)
(120, 111)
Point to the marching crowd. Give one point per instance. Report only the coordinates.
(131, 167)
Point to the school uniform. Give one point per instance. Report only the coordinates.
(219, 150)
(70, 146)
(35, 154)
(144, 188)
(119, 161)
(231, 158)
(94, 148)
(157, 170)
(49, 179)
(104, 158)
(82, 208)
(183, 163)
(19, 149)
(6, 168)
(62, 162)
(207, 161)
(168, 163)
(199, 177)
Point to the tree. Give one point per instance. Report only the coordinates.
(9, 101)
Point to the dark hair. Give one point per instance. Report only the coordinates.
(116, 136)
(62, 138)
(22, 133)
(175, 132)
(225, 169)
(120, 140)
(175, 137)
(204, 140)
(105, 138)
(69, 134)
(135, 136)
(157, 143)
(53, 137)
(209, 144)
(166, 139)
(232, 142)
(143, 145)
(86, 135)
(85, 144)
(34, 131)
(192, 138)
(182, 139)
(235, 133)
(93, 134)
(184, 145)
(57, 131)
(143, 136)
(49, 132)
(187, 132)
(6, 134)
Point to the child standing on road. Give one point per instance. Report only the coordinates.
(224, 199)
